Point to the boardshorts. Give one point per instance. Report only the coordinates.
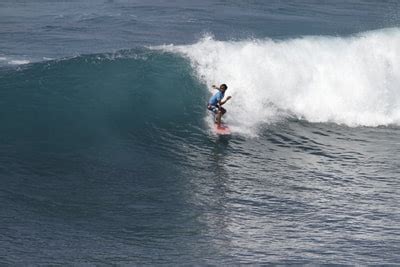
(216, 108)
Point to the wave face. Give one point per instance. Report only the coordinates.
(346, 80)
(93, 98)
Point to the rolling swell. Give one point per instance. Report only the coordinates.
(90, 99)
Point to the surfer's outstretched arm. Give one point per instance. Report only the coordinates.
(223, 102)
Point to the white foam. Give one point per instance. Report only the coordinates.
(18, 62)
(346, 80)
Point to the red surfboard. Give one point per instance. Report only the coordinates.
(223, 129)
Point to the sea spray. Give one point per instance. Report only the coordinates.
(351, 80)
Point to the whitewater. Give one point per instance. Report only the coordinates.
(346, 80)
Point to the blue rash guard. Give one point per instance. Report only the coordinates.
(213, 103)
(214, 100)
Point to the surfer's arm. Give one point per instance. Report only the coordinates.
(223, 102)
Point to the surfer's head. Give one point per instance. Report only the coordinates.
(223, 87)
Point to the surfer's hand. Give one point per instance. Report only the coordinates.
(229, 97)
(214, 86)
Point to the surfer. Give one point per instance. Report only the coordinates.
(216, 101)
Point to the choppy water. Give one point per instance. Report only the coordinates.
(107, 154)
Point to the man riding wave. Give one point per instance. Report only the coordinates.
(216, 101)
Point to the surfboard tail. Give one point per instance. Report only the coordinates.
(222, 129)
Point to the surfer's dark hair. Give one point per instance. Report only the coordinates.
(224, 85)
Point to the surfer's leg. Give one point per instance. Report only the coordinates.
(221, 112)
(218, 118)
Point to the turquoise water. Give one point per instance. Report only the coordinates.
(108, 157)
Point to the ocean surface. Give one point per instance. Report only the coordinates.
(107, 154)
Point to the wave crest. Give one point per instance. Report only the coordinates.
(346, 80)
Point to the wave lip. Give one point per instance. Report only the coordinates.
(10, 61)
(18, 62)
(346, 80)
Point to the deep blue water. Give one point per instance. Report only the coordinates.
(107, 154)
